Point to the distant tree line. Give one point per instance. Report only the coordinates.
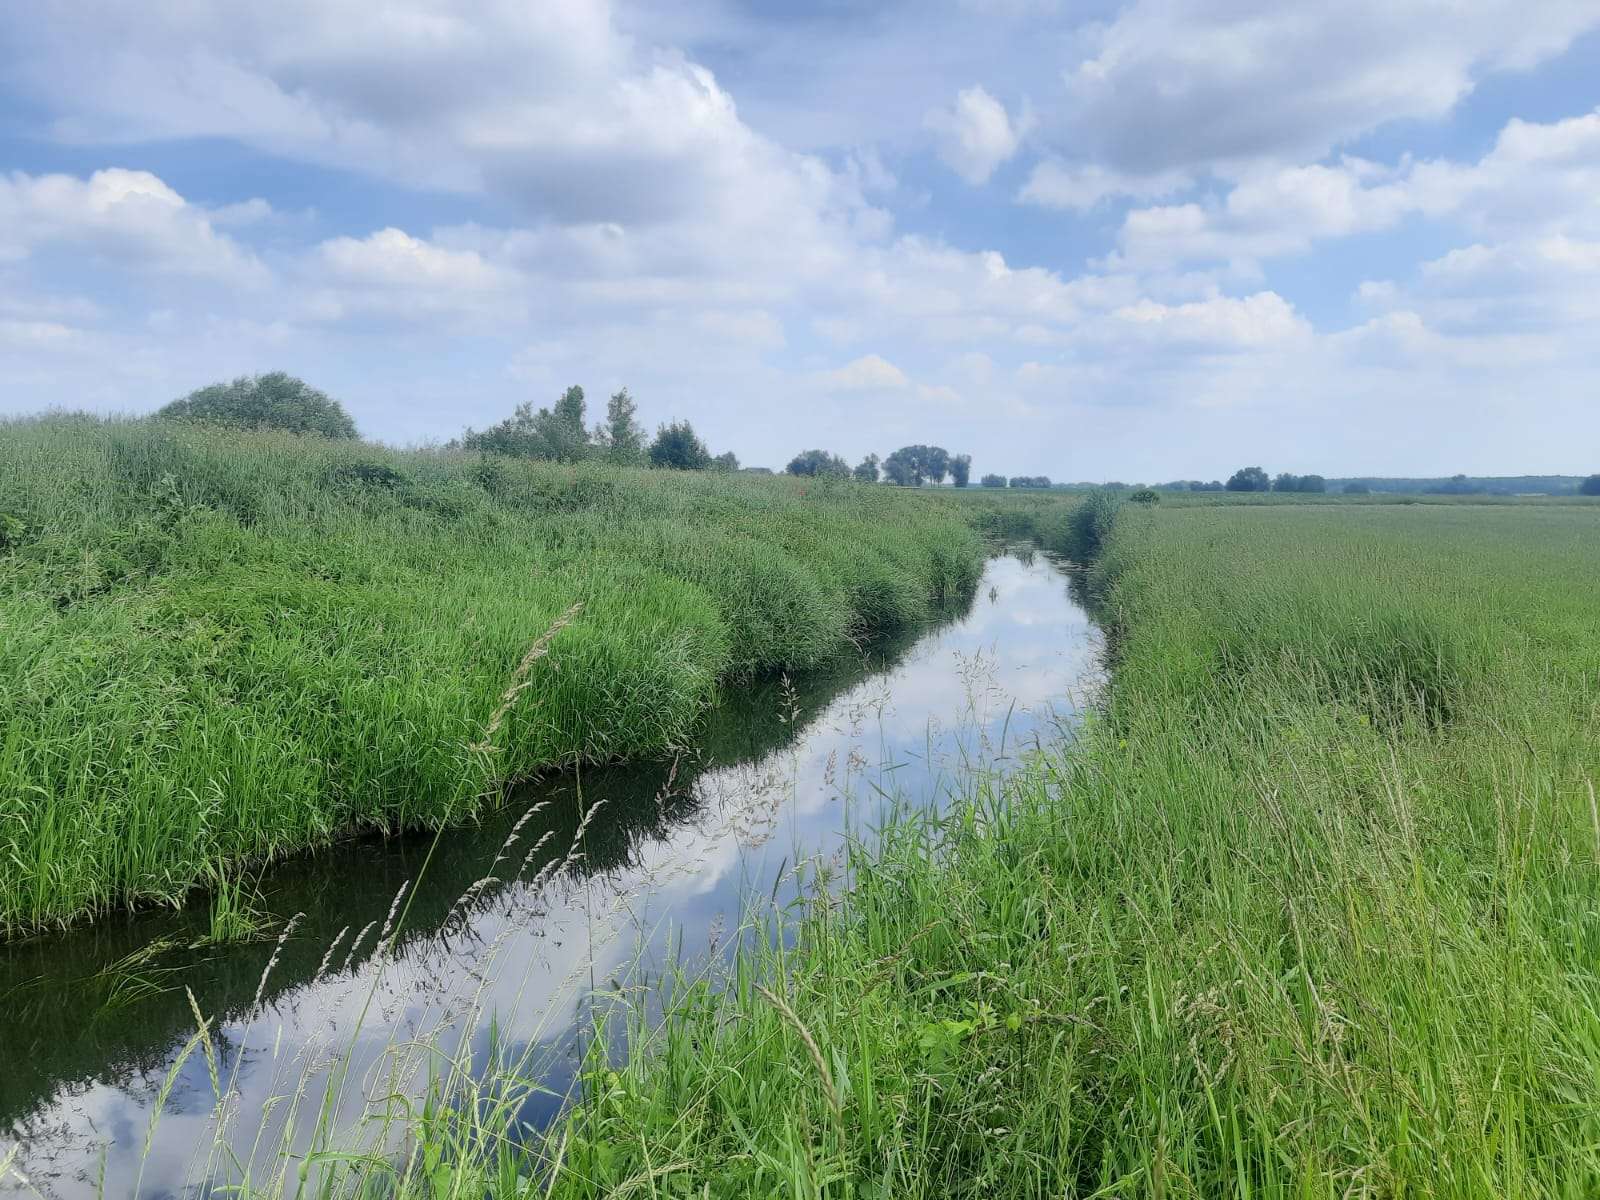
(280, 401)
(1254, 479)
(1016, 481)
(909, 466)
(560, 434)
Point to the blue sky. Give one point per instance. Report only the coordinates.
(1151, 240)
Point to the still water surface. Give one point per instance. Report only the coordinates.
(520, 934)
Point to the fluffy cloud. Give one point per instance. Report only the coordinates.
(392, 273)
(975, 135)
(1536, 177)
(125, 217)
(1191, 84)
(1216, 323)
(546, 105)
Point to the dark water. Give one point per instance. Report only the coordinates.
(513, 939)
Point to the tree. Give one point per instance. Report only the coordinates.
(1030, 481)
(1356, 489)
(903, 467)
(1249, 479)
(726, 461)
(621, 436)
(551, 433)
(1590, 486)
(272, 401)
(1214, 486)
(678, 448)
(912, 466)
(960, 469)
(820, 463)
(1299, 483)
(1146, 496)
(993, 481)
(867, 469)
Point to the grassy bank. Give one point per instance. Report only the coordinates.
(221, 647)
(1309, 911)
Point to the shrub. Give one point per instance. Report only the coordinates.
(1146, 496)
(556, 433)
(677, 447)
(273, 401)
(1089, 524)
(818, 462)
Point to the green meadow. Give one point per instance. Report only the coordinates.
(1310, 909)
(222, 647)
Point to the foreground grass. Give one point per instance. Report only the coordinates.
(218, 648)
(1312, 910)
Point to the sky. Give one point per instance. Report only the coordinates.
(1141, 241)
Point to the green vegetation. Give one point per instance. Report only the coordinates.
(555, 434)
(678, 448)
(621, 438)
(1286, 482)
(912, 466)
(1308, 910)
(1249, 479)
(1590, 486)
(820, 463)
(274, 401)
(219, 647)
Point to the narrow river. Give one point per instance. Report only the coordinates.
(609, 876)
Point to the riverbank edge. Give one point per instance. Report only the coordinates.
(195, 492)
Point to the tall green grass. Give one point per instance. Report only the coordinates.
(221, 647)
(1311, 910)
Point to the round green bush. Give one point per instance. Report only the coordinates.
(272, 401)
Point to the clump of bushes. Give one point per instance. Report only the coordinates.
(677, 447)
(273, 401)
(1089, 524)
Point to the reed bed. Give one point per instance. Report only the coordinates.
(219, 648)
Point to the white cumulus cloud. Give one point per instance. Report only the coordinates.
(975, 134)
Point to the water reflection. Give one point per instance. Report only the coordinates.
(570, 888)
